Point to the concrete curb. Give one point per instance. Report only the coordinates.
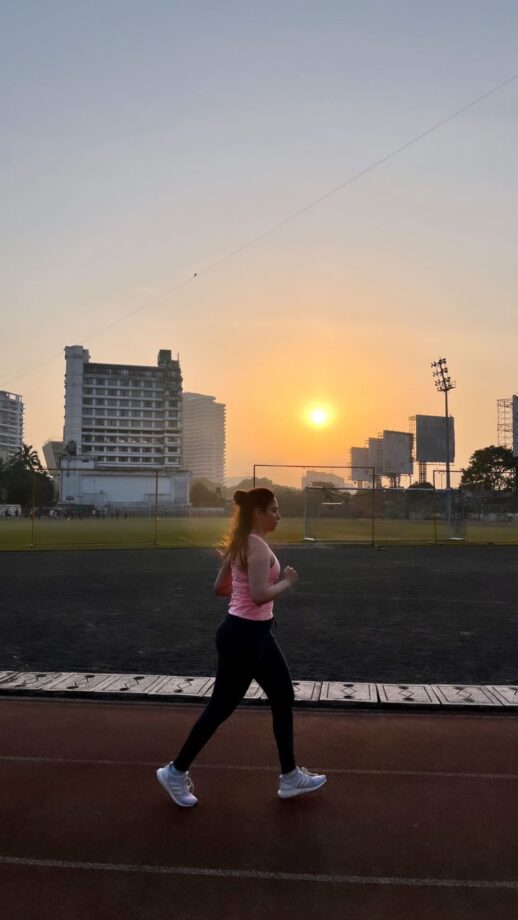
(161, 688)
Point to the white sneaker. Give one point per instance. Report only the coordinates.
(178, 785)
(299, 782)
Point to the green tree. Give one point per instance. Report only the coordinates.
(23, 479)
(291, 500)
(203, 497)
(492, 468)
(247, 484)
(27, 457)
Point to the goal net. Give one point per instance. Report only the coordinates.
(303, 487)
(457, 529)
(334, 514)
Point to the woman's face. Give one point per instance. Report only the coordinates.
(269, 518)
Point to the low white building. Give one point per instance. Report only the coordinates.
(84, 483)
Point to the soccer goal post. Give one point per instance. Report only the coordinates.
(303, 487)
(338, 515)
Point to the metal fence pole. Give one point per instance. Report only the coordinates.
(33, 509)
(156, 509)
(434, 509)
(373, 504)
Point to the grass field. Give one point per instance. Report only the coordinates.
(46, 533)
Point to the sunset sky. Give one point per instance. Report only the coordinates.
(144, 142)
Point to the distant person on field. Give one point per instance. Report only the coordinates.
(246, 648)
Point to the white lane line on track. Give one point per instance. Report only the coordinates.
(336, 771)
(257, 875)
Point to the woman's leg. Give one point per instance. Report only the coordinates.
(272, 674)
(236, 662)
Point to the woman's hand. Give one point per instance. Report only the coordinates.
(290, 575)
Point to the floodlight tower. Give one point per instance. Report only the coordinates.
(444, 384)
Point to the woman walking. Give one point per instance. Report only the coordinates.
(246, 648)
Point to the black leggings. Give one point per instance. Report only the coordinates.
(247, 651)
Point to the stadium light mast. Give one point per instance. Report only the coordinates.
(444, 384)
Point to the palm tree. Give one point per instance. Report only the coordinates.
(26, 457)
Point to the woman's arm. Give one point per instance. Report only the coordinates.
(223, 583)
(261, 592)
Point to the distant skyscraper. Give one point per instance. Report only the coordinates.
(53, 452)
(508, 423)
(203, 436)
(11, 424)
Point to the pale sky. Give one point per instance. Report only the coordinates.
(143, 141)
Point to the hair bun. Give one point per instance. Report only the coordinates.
(240, 497)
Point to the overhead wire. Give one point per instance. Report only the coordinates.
(281, 223)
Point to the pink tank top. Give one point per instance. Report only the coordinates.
(241, 604)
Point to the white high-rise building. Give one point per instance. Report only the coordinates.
(52, 452)
(122, 419)
(204, 436)
(11, 424)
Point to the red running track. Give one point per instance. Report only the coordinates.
(417, 821)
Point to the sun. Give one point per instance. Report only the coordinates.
(318, 415)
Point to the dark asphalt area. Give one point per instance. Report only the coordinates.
(402, 614)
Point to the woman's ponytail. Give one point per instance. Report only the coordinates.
(235, 542)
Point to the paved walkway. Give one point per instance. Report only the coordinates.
(417, 819)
